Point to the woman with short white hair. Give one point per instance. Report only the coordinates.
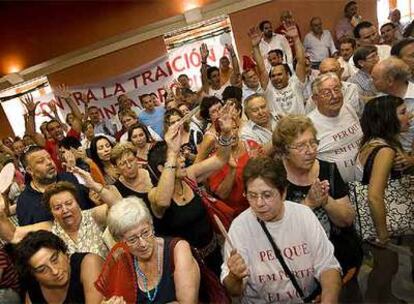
(130, 221)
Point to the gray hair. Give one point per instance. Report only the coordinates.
(316, 84)
(396, 69)
(125, 215)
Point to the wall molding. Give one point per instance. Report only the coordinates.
(128, 39)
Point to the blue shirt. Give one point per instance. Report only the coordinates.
(30, 208)
(154, 119)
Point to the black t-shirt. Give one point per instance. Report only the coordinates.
(30, 208)
(337, 189)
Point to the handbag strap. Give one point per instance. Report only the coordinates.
(370, 163)
(281, 260)
(193, 185)
(332, 178)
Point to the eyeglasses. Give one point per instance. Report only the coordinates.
(266, 196)
(145, 235)
(329, 93)
(302, 147)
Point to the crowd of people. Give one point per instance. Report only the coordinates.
(301, 151)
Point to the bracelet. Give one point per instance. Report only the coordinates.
(168, 166)
(100, 190)
(224, 142)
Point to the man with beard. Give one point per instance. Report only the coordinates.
(42, 170)
(271, 41)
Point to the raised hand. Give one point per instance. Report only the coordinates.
(68, 160)
(227, 112)
(291, 30)
(30, 105)
(204, 52)
(237, 265)
(62, 91)
(173, 136)
(85, 175)
(255, 36)
(52, 106)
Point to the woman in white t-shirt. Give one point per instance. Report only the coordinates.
(252, 269)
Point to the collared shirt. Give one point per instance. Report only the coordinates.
(383, 50)
(249, 91)
(365, 84)
(407, 138)
(256, 133)
(277, 42)
(319, 48)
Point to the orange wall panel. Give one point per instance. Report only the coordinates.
(329, 10)
(110, 65)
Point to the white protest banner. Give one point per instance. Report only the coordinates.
(149, 78)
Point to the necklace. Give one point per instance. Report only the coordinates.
(181, 193)
(140, 274)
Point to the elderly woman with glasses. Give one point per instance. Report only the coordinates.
(253, 269)
(313, 182)
(130, 221)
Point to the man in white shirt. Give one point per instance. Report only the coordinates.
(366, 34)
(251, 84)
(259, 128)
(271, 41)
(318, 43)
(210, 75)
(389, 34)
(347, 47)
(391, 76)
(349, 90)
(337, 125)
(284, 93)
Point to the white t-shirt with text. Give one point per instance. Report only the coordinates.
(339, 138)
(304, 246)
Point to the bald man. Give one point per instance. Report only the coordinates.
(391, 76)
(349, 90)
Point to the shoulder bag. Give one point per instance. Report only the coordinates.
(398, 200)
